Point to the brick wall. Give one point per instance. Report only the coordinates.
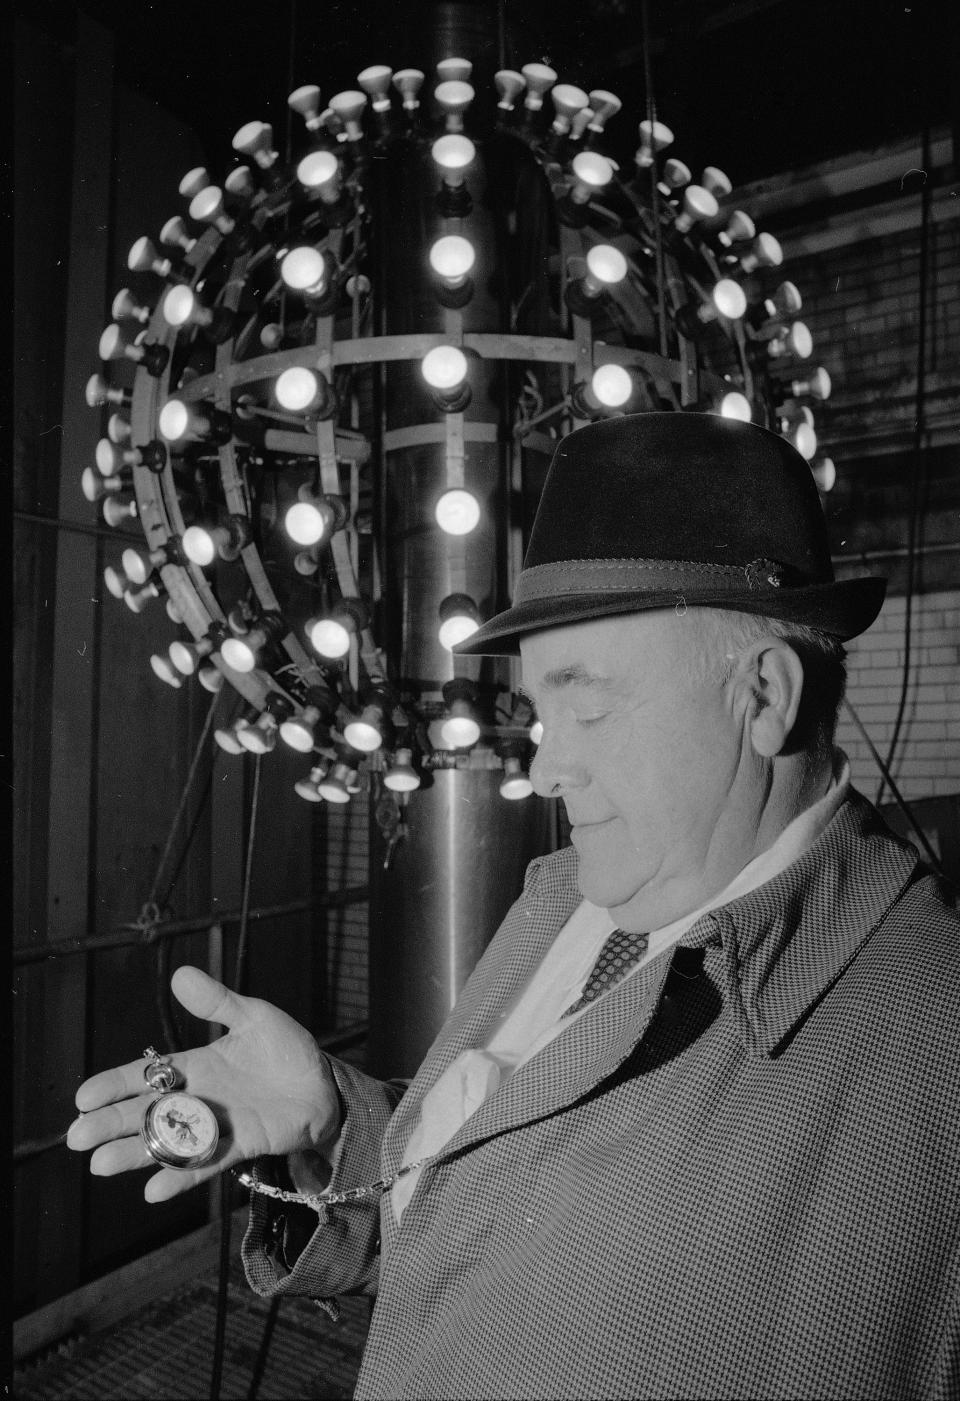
(343, 853)
(927, 760)
(853, 234)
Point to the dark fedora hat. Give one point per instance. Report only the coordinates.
(672, 510)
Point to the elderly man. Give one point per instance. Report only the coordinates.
(692, 1129)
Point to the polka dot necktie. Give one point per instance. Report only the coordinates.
(621, 952)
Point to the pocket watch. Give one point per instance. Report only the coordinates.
(179, 1130)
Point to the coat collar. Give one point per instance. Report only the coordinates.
(786, 943)
(783, 945)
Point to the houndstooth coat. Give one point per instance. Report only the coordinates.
(738, 1175)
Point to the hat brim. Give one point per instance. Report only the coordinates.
(842, 609)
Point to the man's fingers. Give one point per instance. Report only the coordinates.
(111, 1085)
(118, 1120)
(206, 998)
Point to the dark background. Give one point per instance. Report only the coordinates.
(759, 86)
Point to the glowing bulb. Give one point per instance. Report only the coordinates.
(329, 637)
(444, 367)
(319, 170)
(736, 406)
(515, 783)
(304, 270)
(135, 567)
(183, 656)
(199, 547)
(165, 672)
(304, 523)
(178, 305)
(307, 787)
(591, 172)
(804, 439)
(456, 629)
(452, 256)
(606, 264)
(401, 776)
(453, 154)
(363, 735)
(174, 420)
(334, 786)
(536, 732)
(729, 298)
(296, 388)
(238, 654)
(459, 731)
(457, 512)
(612, 385)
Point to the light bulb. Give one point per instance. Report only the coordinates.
(603, 106)
(178, 305)
(329, 637)
(509, 85)
(738, 229)
(457, 512)
(226, 737)
(210, 678)
(817, 385)
(612, 385)
(304, 523)
(401, 776)
(307, 787)
(349, 107)
(729, 298)
(304, 270)
(764, 252)
(297, 388)
(135, 566)
(736, 406)
(375, 82)
(238, 654)
(606, 265)
(174, 420)
(675, 175)
(363, 734)
(444, 367)
(125, 307)
(334, 786)
(540, 79)
(717, 182)
(797, 342)
(515, 783)
(459, 619)
(698, 204)
(654, 137)
(804, 439)
(452, 257)
(408, 82)
(261, 736)
(536, 732)
(164, 671)
(567, 102)
(459, 731)
(199, 546)
(591, 172)
(298, 734)
(456, 629)
(320, 171)
(454, 97)
(207, 207)
(453, 154)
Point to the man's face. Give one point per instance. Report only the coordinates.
(659, 783)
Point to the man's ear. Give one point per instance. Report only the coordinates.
(774, 674)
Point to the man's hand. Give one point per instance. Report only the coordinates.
(268, 1084)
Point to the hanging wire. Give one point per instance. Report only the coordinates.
(150, 904)
(918, 456)
(654, 192)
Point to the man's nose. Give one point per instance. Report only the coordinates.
(554, 769)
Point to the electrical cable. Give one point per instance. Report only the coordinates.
(223, 1277)
(901, 801)
(918, 475)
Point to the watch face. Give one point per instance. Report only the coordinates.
(179, 1130)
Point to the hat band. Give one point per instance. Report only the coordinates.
(578, 576)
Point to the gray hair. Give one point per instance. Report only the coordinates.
(722, 634)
